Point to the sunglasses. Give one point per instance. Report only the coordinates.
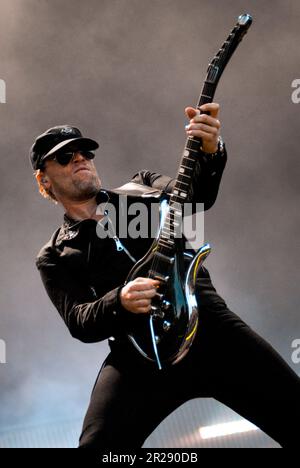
(65, 158)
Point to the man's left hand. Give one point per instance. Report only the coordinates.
(205, 126)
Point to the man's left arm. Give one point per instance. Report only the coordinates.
(210, 163)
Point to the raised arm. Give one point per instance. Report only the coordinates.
(210, 164)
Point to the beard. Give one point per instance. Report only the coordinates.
(78, 188)
(86, 188)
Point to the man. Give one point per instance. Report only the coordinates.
(84, 275)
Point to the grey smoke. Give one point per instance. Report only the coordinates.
(123, 72)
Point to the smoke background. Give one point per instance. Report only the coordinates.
(123, 71)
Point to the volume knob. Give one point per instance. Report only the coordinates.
(166, 325)
(166, 305)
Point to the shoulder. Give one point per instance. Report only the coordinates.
(48, 253)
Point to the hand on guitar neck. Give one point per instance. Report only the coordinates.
(205, 125)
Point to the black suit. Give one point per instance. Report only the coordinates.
(83, 276)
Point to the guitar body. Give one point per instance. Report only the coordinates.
(173, 321)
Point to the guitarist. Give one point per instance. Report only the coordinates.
(84, 277)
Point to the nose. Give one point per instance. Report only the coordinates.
(78, 157)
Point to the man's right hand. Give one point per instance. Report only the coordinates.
(137, 294)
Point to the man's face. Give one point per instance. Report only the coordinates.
(76, 181)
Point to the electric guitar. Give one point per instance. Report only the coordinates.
(166, 334)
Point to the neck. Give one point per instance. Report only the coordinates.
(85, 209)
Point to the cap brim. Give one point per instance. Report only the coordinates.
(81, 143)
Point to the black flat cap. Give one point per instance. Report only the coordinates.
(56, 138)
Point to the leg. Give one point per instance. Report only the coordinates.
(250, 377)
(126, 407)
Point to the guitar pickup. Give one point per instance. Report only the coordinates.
(163, 257)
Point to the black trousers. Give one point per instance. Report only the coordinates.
(227, 361)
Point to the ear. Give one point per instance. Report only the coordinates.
(43, 179)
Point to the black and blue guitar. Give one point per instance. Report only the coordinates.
(166, 334)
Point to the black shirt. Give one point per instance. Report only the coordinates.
(83, 274)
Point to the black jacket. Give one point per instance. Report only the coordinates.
(83, 274)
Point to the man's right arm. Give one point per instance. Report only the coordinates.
(88, 319)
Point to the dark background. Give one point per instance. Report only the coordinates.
(123, 71)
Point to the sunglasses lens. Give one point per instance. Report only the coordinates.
(64, 158)
(87, 154)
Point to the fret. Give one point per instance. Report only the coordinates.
(182, 187)
(181, 194)
(192, 139)
(168, 243)
(206, 95)
(184, 175)
(190, 149)
(187, 152)
(172, 222)
(180, 182)
(186, 156)
(187, 160)
(178, 196)
(179, 209)
(167, 237)
(167, 231)
(176, 211)
(186, 167)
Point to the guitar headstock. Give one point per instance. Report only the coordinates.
(219, 62)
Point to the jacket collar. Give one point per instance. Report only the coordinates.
(70, 227)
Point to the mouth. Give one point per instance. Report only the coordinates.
(82, 168)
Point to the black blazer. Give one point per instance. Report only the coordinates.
(83, 274)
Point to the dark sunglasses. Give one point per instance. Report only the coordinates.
(64, 158)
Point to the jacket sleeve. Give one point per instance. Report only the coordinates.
(88, 319)
(205, 183)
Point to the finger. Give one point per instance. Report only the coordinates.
(206, 119)
(144, 310)
(190, 112)
(144, 284)
(211, 107)
(141, 279)
(142, 303)
(204, 128)
(208, 137)
(137, 295)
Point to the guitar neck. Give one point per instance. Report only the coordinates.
(183, 183)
